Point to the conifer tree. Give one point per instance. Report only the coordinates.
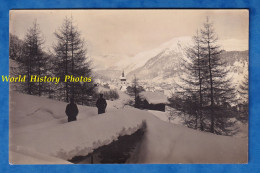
(243, 89)
(243, 92)
(32, 60)
(193, 87)
(70, 59)
(220, 91)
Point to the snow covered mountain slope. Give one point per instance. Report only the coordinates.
(237, 62)
(142, 58)
(107, 75)
(148, 59)
(167, 66)
(34, 136)
(164, 64)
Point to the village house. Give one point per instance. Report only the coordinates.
(153, 100)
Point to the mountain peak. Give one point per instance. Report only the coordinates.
(141, 58)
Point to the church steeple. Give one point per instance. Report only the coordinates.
(123, 82)
(123, 74)
(123, 78)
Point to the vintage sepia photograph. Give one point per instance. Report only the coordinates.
(128, 86)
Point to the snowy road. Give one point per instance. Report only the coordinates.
(46, 132)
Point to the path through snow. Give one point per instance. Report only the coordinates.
(49, 134)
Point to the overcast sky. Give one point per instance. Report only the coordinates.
(113, 35)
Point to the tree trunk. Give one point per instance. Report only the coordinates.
(211, 91)
(66, 71)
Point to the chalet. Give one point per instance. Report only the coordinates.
(153, 100)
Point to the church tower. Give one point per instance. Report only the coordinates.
(123, 78)
(123, 82)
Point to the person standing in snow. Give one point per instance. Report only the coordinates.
(101, 104)
(72, 111)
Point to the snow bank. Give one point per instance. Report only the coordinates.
(77, 138)
(170, 115)
(163, 142)
(28, 110)
(168, 143)
(239, 129)
(118, 103)
(23, 155)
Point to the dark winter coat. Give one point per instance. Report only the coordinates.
(72, 112)
(101, 105)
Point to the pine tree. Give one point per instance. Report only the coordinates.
(32, 60)
(243, 89)
(192, 87)
(219, 91)
(70, 59)
(80, 65)
(16, 48)
(243, 105)
(136, 92)
(61, 57)
(16, 55)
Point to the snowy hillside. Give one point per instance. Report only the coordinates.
(164, 63)
(107, 75)
(150, 59)
(166, 66)
(39, 133)
(237, 62)
(142, 58)
(163, 66)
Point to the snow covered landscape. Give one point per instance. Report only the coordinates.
(169, 55)
(40, 134)
(161, 86)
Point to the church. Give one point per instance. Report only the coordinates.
(123, 84)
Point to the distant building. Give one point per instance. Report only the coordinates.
(123, 78)
(153, 100)
(123, 84)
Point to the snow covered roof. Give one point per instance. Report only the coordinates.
(154, 97)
